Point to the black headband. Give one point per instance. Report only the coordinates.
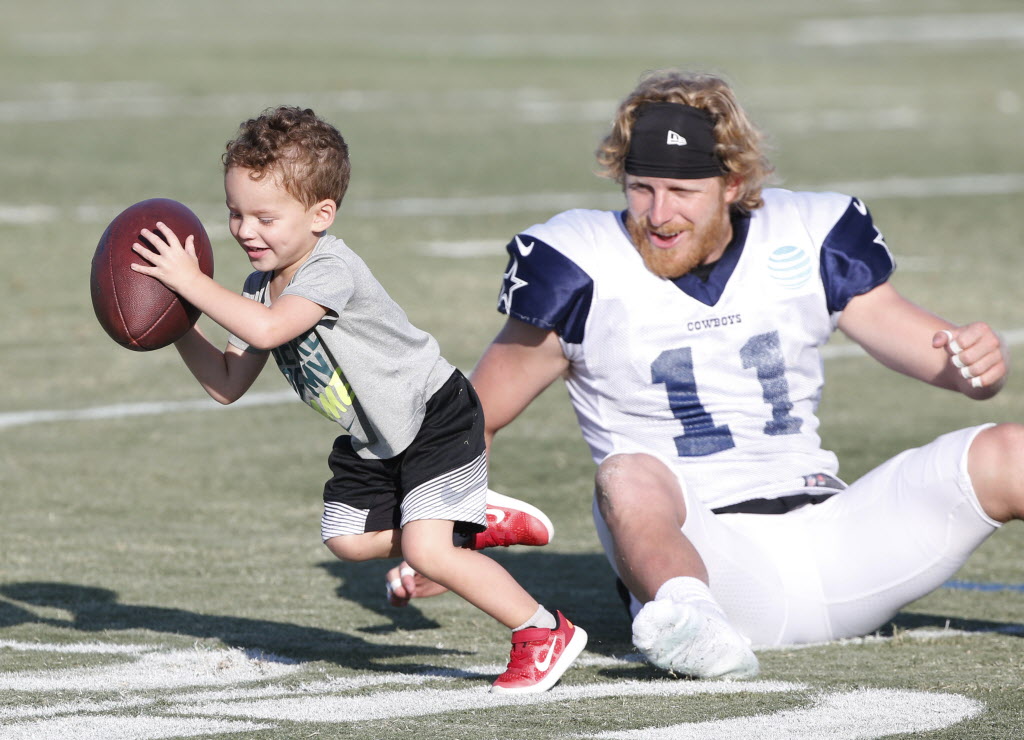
(673, 140)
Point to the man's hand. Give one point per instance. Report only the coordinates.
(403, 584)
(978, 354)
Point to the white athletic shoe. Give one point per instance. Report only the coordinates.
(693, 639)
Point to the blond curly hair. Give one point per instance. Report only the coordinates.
(739, 143)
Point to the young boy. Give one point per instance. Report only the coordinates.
(410, 476)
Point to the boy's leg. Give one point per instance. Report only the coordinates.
(366, 546)
(540, 654)
(444, 479)
(484, 583)
(509, 522)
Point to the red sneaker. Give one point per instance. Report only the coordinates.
(539, 657)
(513, 522)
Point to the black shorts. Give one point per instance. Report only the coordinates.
(442, 474)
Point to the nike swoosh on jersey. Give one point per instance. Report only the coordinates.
(524, 249)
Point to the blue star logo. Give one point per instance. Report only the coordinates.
(509, 285)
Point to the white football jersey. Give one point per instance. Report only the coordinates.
(722, 377)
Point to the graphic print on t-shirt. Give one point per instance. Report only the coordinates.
(319, 382)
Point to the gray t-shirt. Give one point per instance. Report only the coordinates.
(364, 365)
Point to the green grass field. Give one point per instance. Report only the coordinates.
(161, 574)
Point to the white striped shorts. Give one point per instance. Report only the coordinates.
(442, 474)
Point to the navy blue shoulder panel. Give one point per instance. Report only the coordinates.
(854, 257)
(543, 287)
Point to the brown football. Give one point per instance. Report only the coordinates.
(137, 310)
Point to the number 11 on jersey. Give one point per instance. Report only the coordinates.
(701, 436)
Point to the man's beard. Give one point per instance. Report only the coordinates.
(679, 260)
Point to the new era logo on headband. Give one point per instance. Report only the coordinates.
(675, 139)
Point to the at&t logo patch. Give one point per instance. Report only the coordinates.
(790, 266)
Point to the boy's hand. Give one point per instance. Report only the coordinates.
(173, 264)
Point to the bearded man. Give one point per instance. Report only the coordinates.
(688, 328)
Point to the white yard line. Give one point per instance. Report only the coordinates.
(69, 102)
(979, 184)
(951, 28)
(12, 419)
(125, 410)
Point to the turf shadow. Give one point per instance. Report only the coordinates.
(582, 586)
(96, 610)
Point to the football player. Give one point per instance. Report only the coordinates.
(688, 328)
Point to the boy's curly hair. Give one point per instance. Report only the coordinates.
(739, 142)
(308, 154)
